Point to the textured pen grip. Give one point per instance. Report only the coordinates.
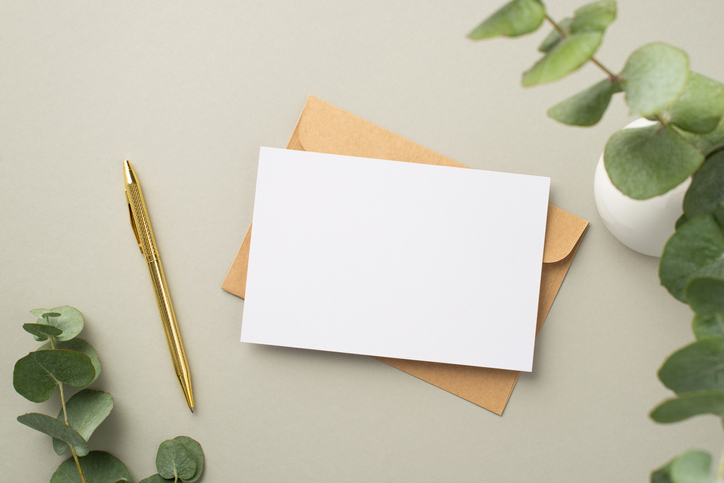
(143, 225)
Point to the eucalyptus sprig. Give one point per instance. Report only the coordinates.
(686, 140)
(67, 361)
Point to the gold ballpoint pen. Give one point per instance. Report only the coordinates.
(144, 235)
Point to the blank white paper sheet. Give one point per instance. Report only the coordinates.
(394, 259)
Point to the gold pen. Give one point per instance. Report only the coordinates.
(146, 242)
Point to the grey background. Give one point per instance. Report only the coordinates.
(188, 91)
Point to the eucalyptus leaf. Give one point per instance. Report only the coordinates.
(706, 192)
(175, 460)
(695, 249)
(585, 108)
(36, 375)
(594, 16)
(680, 221)
(567, 56)
(198, 453)
(699, 108)
(70, 320)
(655, 75)
(155, 479)
(708, 327)
(79, 345)
(697, 367)
(515, 18)
(56, 429)
(705, 295)
(553, 38)
(97, 466)
(86, 410)
(688, 405)
(649, 161)
(690, 467)
(42, 331)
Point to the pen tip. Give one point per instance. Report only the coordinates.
(192, 410)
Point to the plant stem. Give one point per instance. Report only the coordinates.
(77, 463)
(595, 62)
(65, 416)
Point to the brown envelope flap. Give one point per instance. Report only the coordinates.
(325, 128)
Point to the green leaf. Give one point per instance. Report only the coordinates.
(555, 36)
(79, 345)
(697, 367)
(86, 410)
(174, 460)
(585, 108)
(680, 221)
(155, 479)
(516, 18)
(705, 295)
(56, 429)
(649, 161)
(708, 327)
(595, 16)
(654, 76)
(567, 56)
(36, 375)
(706, 192)
(699, 108)
(695, 249)
(711, 142)
(70, 320)
(195, 448)
(42, 331)
(98, 467)
(688, 405)
(690, 467)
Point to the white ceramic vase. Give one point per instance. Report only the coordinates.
(642, 225)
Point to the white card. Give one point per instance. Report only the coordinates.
(394, 259)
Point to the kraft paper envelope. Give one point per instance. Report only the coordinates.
(325, 128)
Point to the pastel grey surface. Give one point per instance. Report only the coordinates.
(188, 92)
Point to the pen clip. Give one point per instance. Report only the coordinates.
(133, 224)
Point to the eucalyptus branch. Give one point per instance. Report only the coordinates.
(75, 362)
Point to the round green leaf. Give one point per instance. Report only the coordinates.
(174, 460)
(595, 16)
(70, 320)
(36, 375)
(513, 19)
(708, 327)
(695, 249)
(567, 56)
(42, 331)
(690, 467)
(56, 429)
(696, 367)
(79, 345)
(705, 295)
(195, 448)
(98, 467)
(154, 479)
(654, 76)
(688, 405)
(706, 192)
(86, 410)
(649, 161)
(699, 108)
(585, 108)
